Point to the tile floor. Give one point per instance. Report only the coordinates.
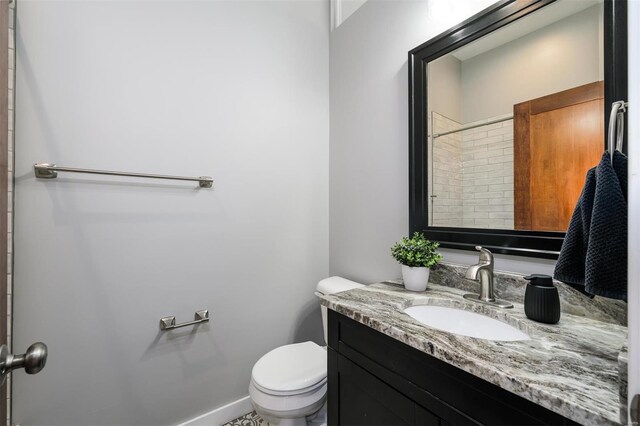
(250, 419)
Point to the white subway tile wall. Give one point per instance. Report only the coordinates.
(12, 19)
(487, 174)
(446, 189)
(471, 182)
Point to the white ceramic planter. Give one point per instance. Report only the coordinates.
(415, 278)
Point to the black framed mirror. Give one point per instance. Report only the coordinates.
(507, 112)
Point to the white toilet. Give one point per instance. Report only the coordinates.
(289, 384)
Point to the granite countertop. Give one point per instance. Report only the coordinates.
(571, 368)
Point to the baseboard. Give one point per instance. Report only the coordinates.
(223, 414)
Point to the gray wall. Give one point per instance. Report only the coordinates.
(445, 87)
(234, 89)
(369, 121)
(557, 57)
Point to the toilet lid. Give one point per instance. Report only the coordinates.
(291, 367)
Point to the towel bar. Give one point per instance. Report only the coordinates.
(50, 171)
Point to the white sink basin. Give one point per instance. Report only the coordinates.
(465, 323)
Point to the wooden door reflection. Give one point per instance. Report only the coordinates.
(557, 138)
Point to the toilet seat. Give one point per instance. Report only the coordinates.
(291, 369)
(290, 392)
(290, 383)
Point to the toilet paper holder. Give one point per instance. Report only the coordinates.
(169, 323)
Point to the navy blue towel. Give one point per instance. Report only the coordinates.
(570, 267)
(594, 251)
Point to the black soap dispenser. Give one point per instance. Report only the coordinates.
(541, 299)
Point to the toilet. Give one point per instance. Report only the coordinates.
(289, 384)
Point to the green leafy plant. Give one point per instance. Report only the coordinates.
(416, 251)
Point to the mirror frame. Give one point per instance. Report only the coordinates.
(542, 244)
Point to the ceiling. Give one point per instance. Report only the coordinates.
(539, 19)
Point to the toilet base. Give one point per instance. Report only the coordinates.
(317, 419)
(289, 422)
(289, 410)
(295, 418)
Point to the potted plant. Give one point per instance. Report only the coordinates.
(416, 255)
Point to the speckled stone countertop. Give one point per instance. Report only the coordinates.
(570, 368)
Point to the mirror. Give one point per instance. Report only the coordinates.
(507, 116)
(531, 96)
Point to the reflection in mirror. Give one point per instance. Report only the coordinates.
(516, 120)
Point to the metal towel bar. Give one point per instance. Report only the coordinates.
(169, 323)
(50, 171)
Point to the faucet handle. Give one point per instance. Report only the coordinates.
(485, 255)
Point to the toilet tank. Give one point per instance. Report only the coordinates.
(329, 286)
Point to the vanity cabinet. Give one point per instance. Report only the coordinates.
(377, 380)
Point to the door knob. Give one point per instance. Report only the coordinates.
(32, 361)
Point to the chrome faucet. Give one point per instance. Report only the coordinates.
(483, 272)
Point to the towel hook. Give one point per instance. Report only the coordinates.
(620, 129)
(616, 126)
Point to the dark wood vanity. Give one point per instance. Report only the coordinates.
(374, 379)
